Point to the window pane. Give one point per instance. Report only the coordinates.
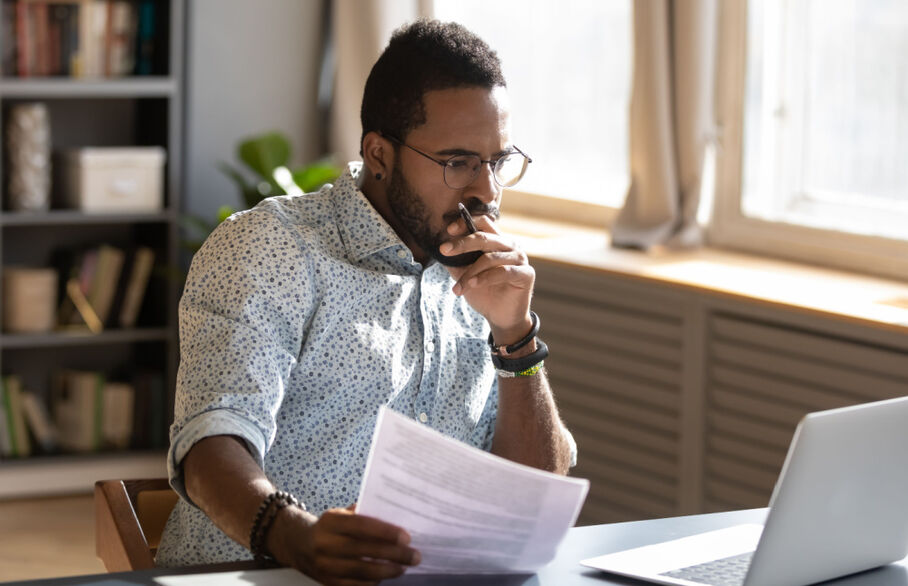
(568, 69)
(826, 114)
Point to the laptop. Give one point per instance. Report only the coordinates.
(840, 506)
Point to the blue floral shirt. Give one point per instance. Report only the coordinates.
(299, 319)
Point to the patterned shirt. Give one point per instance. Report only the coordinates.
(299, 319)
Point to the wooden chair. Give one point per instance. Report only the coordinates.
(129, 520)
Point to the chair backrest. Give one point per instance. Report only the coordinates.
(129, 519)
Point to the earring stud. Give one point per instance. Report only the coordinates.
(378, 176)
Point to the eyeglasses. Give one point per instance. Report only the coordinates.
(462, 170)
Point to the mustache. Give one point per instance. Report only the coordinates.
(478, 209)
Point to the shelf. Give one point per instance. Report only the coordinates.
(72, 217)
(80, 338)
(67, 88)
(57, 475)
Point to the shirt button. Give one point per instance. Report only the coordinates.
(401, 253)
(423, 417)
(430, 347)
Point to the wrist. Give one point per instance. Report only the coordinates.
(273, 507)
(513, 334)
(286, 532)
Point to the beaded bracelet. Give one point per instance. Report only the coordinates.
(265, 517)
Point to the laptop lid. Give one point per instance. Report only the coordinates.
(839, 507)
(841, 502)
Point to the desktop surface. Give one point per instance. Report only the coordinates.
(565, 569)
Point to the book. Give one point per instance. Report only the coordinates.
(6, 445)
(146, 38)
(117, 414)
(42, 61)
(8, 36)
(78, 409)
(23, 44)
(15, 417)
(105, 279)
(38, 419)
(121, 38)
(135, 286)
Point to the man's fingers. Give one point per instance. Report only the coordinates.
(363, 570)
(507, 274)
(507, 267)
(344, 522)
(341, 546)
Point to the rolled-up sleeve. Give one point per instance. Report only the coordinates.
(241, 325)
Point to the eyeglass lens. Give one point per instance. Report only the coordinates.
(460, 171)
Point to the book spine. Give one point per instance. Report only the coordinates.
(136, 286)
(21, 446)
(6, 441)
(39, 422)
(22, 38)
(8, 38)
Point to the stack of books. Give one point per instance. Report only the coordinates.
(104, 286)
(81, 38)
(85, 412)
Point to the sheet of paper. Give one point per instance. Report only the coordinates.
(467, 511)
(272, 577)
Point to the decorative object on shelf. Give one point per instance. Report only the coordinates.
(114, 179)
(267, 155)
(28, 144)
(29, 299)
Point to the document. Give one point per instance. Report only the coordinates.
(467, 511)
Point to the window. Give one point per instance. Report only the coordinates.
(568, 73)
(816, 129)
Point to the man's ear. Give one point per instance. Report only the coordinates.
(378, 155)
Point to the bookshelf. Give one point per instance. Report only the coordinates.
(98, 110)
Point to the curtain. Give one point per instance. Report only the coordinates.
(671, 122)
(360, 30)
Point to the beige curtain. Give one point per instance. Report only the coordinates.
(360, 30)
(671, 122)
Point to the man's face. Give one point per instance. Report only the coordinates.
(458, 121)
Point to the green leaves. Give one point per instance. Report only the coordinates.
(312, 178)
(267, 157)
(265, 152)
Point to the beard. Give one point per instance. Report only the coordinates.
(410, 210)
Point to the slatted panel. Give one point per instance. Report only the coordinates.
(615, 367)
(761, 379)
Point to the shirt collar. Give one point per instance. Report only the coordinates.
(363, 230)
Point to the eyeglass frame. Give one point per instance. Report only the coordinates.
(444, 163)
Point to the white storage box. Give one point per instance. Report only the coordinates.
(114, 179)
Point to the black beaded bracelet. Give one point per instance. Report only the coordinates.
(506, 349)
(265, 517)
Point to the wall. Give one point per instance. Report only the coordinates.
(252, 66)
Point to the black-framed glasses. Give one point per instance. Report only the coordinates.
(462, 170)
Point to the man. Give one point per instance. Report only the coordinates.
(304, 315)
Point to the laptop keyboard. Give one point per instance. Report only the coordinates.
(728, 571)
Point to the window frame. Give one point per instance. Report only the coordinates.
(730, 228)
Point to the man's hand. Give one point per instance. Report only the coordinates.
(499, 284)
(341, 547)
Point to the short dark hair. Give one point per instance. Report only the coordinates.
(423, 56)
